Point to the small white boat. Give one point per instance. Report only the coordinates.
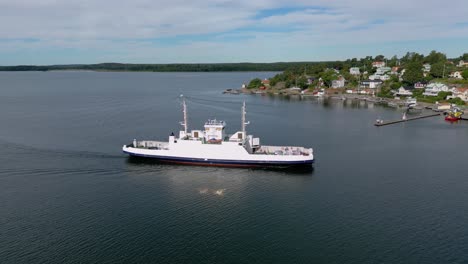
(411, 102)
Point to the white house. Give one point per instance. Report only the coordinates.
(402, 91)
(426, 67)
(354, 71)
(385, 77)
(338, 83)
(461, 93)
(462, 63)
(372, 84)
(383, 70)
(456, 75)
(433, 89)
(378, 64)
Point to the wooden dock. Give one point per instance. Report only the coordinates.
(385, 123)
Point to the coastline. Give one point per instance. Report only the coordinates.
(391, 102)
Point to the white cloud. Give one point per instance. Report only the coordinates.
(122, 29)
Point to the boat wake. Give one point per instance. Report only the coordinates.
(56, 152)
(206, 191)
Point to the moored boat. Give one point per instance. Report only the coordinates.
(454, 115)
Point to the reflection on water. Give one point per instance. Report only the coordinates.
(139, 162)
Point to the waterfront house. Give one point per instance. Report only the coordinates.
(461, 93)
(433, 89)
(420, 85)
(378, 64)
(266, 82)
(372, 84)
(404, 91)
(340, 82)
(367, 91)
(456, 75)
(354, 71)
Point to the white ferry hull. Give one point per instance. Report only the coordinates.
(209, 158)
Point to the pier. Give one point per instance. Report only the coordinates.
(385, 123)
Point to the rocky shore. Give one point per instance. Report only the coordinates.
(336, 95)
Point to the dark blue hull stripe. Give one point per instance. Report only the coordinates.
(221, 162)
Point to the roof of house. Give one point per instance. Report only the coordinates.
(462, 89)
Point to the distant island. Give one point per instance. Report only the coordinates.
(177, 67)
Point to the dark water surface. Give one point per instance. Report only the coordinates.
(396, 194)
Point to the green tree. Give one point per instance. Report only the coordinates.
(328, 76)
(380, 58)
(435, 57)
(457, 101)
(437, 70)
(255, 83)
(393, 61)
(413, 73)
(464, 57)
(465, 74)
(302, 82)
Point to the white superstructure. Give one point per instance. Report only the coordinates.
(212, 146)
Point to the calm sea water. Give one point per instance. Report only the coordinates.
(396, 194)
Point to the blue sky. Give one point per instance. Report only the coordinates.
(150, 31)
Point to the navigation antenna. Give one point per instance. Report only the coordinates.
(244, 123)
(184, 124)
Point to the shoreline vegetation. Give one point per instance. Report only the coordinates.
(380, 79)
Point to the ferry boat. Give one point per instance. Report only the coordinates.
(212, 147)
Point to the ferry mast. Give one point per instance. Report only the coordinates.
(244, 122)
(185, 123)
